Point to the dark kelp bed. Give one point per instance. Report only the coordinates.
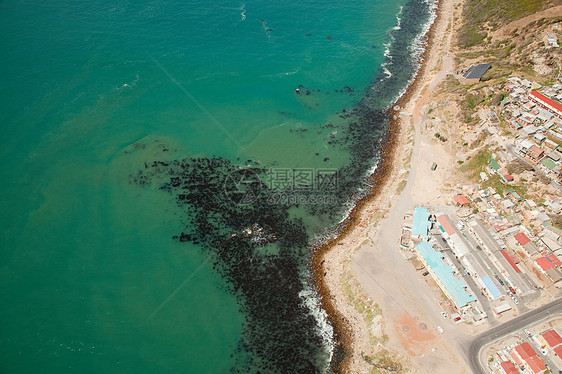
(261, 250)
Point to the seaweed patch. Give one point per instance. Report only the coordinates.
(259, 249)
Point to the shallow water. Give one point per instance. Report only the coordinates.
(92, 279)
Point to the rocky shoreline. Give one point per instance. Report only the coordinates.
(344, 333)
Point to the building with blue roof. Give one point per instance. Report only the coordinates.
(421, 224)
(491, 287)
(444, 275)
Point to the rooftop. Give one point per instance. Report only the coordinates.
(510, 260)
(548, 262)
(491, 287)
(535, 150)
(549, 164)
(461, 200)
(476, 71)
(445, 225)
(536, 364)
(525, 350)
(509, 367)
(421, 222)
(547, 100)
(552, 338)
(521, 238)
(444, 272)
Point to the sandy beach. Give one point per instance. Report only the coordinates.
(384, 312)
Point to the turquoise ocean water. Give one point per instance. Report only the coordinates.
(91, 93)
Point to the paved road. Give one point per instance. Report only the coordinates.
(504, 329)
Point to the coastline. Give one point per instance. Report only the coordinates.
(349, 337)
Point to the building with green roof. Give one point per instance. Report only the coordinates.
(549, 164)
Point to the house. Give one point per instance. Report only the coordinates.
(523, 145)
(552, 169)
(551, 338)
(529, 247)
(528, 131)
(507, 367)
(555, 156)
(549, 144)
(547, 103)
(539, 138)
(550, 40)
(521, 238)
(536, 364)
(506, 177)
(549, 265)
(502, 308)
(527, 119)
(461, 200)
(529, 358)
(493, 166)
(550, 244)
(558, 351)
(548, 262)
(534, 154)
(445, 226)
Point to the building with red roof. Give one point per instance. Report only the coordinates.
(558, 351)
(510, 261)
(534, 154)
(547, 103)
(508, 177)
(521, 238)
(524, 350)
(530, 359)
(516, 357)
(551, 338)
(445, 225)
(536, 364)
(548, 262)
(461, 200)
(509, 368)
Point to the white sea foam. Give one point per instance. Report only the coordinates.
(386, 71)
(387, 49)
(398, 19)
(418, 47)
(130, 85)
(243, 13)
(312, 301)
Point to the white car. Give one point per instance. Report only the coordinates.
(515, 300)
(444, 314)
(543, 351)
(440, 329)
